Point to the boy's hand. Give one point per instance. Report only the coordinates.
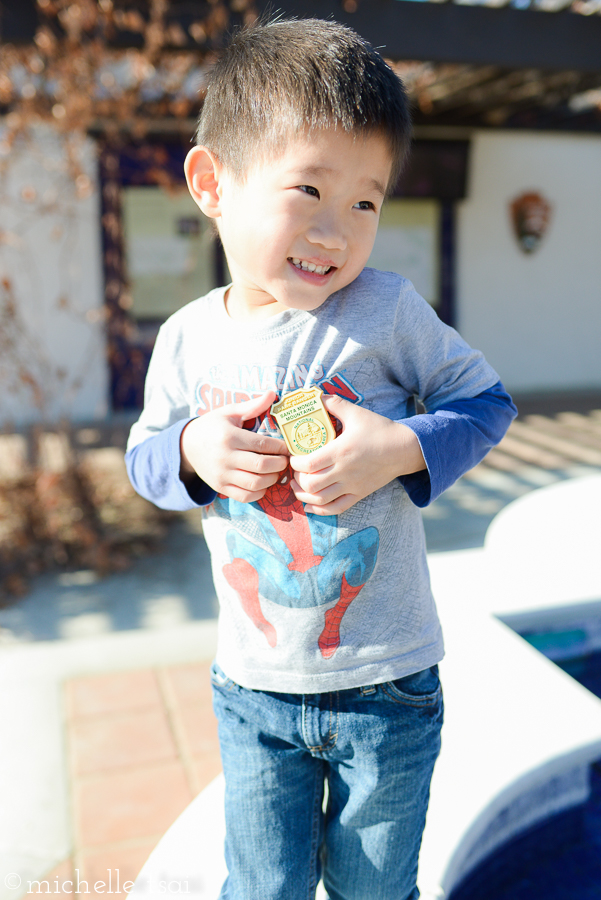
(229, 458)
(371, 451)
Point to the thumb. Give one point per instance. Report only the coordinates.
(338, 407)
(250, 409)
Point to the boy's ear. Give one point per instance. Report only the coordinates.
(203, 171)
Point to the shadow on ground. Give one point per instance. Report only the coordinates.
(167, 589)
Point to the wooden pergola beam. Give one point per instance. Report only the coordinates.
(478, 35)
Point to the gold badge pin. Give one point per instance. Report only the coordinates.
(303, 420)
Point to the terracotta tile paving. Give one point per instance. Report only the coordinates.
(141, 745)
(200, 737)
(189, 684)
(110, 870)
(125, 740)
(118, 692)
(59, 880)
(134, 802)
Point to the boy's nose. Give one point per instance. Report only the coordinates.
(328, 231)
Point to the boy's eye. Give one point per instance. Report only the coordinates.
(364, 204)
(313, 192)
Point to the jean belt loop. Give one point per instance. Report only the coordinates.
(368, 689)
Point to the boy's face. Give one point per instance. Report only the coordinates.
(302, 225)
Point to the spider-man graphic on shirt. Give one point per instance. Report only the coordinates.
(300, 562)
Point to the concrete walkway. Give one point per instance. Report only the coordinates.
(102, 681)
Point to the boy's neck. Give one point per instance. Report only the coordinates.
(251, 308)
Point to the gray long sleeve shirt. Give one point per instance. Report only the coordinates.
(317, 603)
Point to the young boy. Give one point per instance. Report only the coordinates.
(326, 667)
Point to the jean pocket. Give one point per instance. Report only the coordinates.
(220, 679)
(419, 689)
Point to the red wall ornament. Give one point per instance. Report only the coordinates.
(530, 216)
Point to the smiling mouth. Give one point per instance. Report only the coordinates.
(305, 266)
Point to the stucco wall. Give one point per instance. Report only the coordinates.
(537, 317)
(52, 344)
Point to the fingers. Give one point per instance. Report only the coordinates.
(263, 444)
(327, 495)
(251, 483)
(318, 483)
(261, 464)
(332, 509)
(339, 407)
(242, 496)
(250, 409)
(321, 461)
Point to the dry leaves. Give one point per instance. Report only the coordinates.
(86, 516)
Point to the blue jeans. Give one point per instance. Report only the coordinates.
(374, 746)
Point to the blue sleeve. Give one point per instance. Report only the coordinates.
(153, 468)
(456, 437)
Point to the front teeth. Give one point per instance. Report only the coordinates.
(310, 267)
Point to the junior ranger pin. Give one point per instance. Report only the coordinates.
(303, 420)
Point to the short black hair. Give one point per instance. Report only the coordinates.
(281, 78)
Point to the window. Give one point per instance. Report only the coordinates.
(169, 251)
(408, 242)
